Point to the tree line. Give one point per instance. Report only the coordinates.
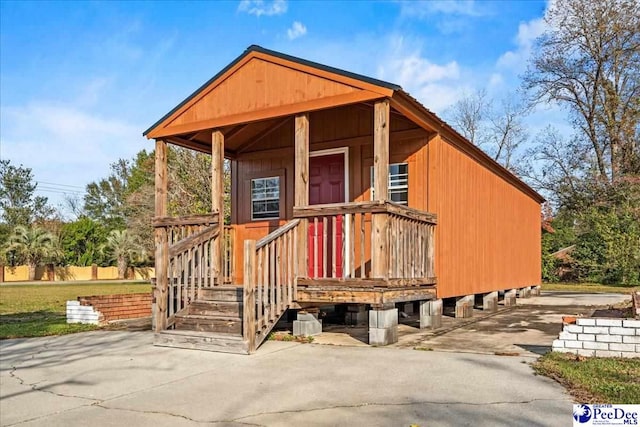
(113, 221)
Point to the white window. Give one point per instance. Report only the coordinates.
(265, 198)
(398, 183)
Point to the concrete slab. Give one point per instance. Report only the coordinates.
(574, 299)
(527, 329)
(119, 378)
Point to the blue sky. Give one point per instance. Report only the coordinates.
(81, 81)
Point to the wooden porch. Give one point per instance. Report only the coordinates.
(225, 287)
(282, 270)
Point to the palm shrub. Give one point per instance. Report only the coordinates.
(123, 248)
(34, 246)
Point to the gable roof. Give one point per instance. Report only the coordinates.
(368, 89)
(252, 50)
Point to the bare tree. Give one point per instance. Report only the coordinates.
(190, 183)
(498, 130)
(506, 131)
(589, 62)
(468, 115)
(552, 165)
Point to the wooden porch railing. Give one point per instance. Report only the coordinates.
(270, 270)
(228, 258)
(411, 245)
(189, 244)
(340, 240)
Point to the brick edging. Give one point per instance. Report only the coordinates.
(119, 306)
(600, 337)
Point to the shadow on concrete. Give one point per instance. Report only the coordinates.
(536, 349)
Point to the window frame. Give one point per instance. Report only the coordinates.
(392, 188)
(277, 215)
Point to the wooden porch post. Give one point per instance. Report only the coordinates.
(217, 202)
(301, 186)
(249, 295)
(380, 237)
(160, 235)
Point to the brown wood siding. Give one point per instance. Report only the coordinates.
(259, 85)
(488, 233)
(273, 155)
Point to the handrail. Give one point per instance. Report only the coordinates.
(270, 271)
(376, 206)
(191, 245)
(277, 233)
(206, 219)
(193, 240)
(411, 213)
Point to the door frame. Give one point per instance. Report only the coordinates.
(339, 150)
(347, 223)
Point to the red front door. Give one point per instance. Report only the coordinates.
(326, 185)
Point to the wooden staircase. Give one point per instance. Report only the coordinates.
(194, 310)
(212, 322)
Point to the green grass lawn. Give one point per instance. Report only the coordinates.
(594, 379)
(40, 310)
(588, 287)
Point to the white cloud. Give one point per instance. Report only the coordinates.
(262, 7)
(424, 8)
(64, 144)
(297, 30)
(528, 32)
(437, 86)
(495, 81)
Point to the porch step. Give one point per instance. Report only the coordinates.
(216, 308)
(220, 293)
(221, 324)
(209, 341)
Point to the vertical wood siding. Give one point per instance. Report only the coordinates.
(488, 233)
(272, 85)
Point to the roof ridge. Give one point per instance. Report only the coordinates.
(339, 71)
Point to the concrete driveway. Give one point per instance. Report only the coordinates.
(119, 378)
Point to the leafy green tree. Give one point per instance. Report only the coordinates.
(81, 241)
(18, 202)
(190, 183)
(125, 198)
(104, 201)
(608, 236)
(33, 246)
(124, 249)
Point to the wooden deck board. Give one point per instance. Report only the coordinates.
(365, 291)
